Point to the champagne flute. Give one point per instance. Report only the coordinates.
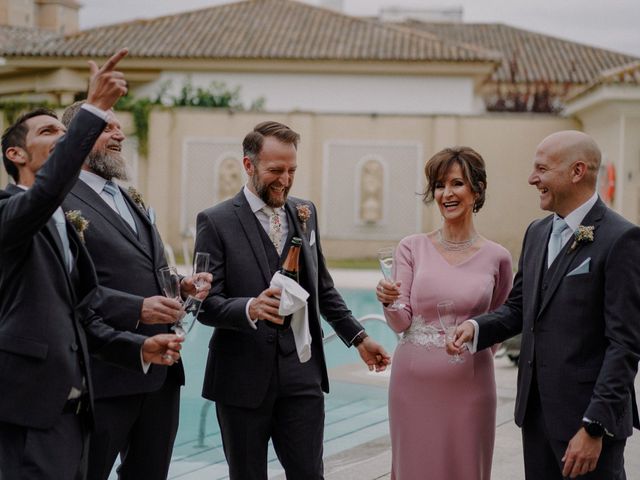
(449, 322)
(200, 265)
(385, 256)
(170, 283)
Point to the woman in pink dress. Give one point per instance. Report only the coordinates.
(442, 415)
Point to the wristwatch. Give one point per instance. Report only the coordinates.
(593, 428)
(359, 338)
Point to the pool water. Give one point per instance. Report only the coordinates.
(355, 414)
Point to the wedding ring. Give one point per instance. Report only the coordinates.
(166, 356)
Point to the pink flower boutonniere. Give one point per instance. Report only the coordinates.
(582, 235)
(304, 214)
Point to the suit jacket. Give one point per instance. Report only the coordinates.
(127, 273)
(46, 323)
(580, 331)
(241, 359)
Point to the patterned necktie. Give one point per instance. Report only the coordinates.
(555, 240)
(113, 190)
(61, 226)
(275, 227)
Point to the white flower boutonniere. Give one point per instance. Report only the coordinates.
(584, 234)
(79, 223)
(304, 214)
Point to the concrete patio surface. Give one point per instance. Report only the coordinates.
(372, 460)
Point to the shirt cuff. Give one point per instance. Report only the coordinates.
(145, 365)
(472, 346)
(252, 323)
(98, 112)
(354, 337)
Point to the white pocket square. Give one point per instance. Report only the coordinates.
(580, 269)
(312, 238)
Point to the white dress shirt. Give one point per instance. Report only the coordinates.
(256, 204)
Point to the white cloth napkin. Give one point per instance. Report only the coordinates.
(293, 301)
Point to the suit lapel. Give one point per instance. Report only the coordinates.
(89, 197)
(50, 230)
(290, 206)
(250, 226)
(565, 258)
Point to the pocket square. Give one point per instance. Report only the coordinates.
(580, 269)
(312, 238)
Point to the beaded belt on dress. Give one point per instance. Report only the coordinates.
(423, 333)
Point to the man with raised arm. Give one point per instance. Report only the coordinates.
(47, 282)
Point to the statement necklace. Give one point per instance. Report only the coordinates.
(456, 246)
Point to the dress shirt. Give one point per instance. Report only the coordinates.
(97, 183)
(574, 219)
(256, 204)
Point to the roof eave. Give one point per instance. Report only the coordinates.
(601, 94)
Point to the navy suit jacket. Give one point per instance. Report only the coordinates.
(581, 332)
(241, 359)
(46, 322)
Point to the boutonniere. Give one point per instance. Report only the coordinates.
(136, 196)
(304, 214)
(582, 235)
(78, 222)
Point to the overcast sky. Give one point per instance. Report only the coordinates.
(612, 24)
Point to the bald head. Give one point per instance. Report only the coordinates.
(570, 146)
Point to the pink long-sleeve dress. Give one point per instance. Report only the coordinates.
(442, 415)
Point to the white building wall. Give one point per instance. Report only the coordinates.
(332, 93)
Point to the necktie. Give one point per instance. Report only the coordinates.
(61, 226)
(113, 190)
(555, 240)
(275, 227)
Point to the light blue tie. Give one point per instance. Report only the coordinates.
(113, 190)
(555, 240)
(61, 226)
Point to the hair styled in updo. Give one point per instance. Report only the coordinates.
(471, 164)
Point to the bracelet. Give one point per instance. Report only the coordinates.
(359, 338)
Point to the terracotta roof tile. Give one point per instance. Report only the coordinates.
(259, 29)
(16, 37)
(538, 57)
(625, 75)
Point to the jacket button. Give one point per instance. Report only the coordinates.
(531, 329)
(530, 362)
(271, 338)
(544, 286)
(74, 347)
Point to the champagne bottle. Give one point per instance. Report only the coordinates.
(291, 265)
(291, 268)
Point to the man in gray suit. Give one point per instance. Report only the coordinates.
(576, 300)
(136, 414)
(261, 388)
(47, 284)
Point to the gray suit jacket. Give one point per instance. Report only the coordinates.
(127, 273)
(241, 359)
(580, 331)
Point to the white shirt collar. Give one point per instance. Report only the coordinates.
(96, 182)
(255, 202)
(575, 218)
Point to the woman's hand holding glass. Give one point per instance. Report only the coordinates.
(387, 292)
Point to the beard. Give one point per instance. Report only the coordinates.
(262, 189)
(108, 165)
